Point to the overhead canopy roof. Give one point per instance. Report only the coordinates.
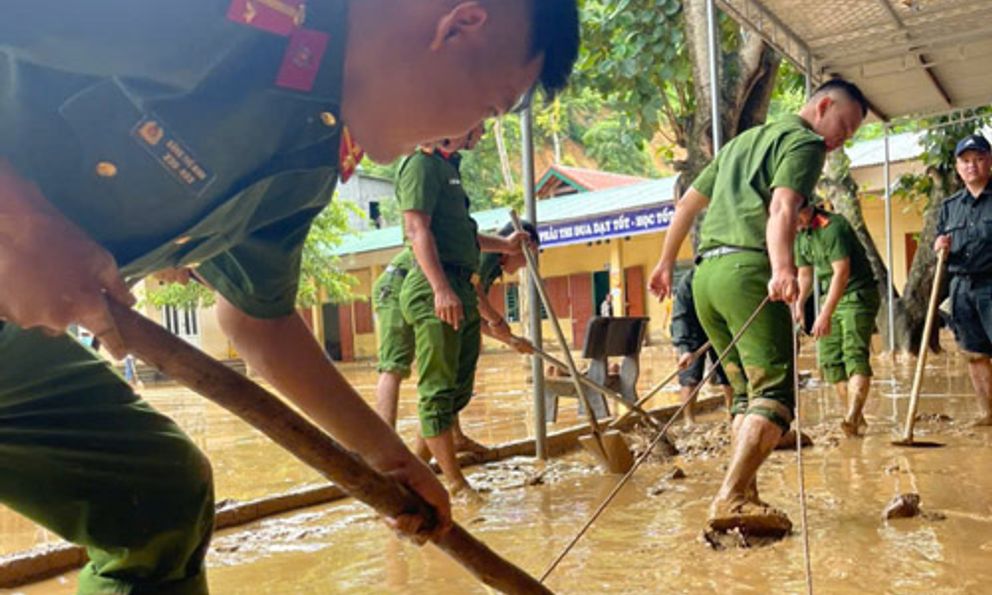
(910, 57)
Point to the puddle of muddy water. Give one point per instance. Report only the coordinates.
(649, 540)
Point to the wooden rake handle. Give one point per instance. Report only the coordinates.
(664, 382)
(921, 359)
(267, 413)
(605, 390)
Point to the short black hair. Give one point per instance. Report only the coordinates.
(555, 35)
(528, 227)
(847, 88)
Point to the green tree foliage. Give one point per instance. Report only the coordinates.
(634, 53)
(190, 295)
(618, 147)
(321, 275)
(939, 178)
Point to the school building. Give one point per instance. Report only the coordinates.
(600, 232)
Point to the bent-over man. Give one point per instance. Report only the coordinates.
(829, 253)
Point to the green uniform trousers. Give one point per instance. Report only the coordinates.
(396, 341)
(727, 289)
(446, 358)
(82, 455)
(846, 351)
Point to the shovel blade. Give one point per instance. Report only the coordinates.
(613, 454)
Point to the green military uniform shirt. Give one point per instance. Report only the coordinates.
(172, 133)
(180, 133)
(846, 351)
(428, 183)
(829, 239)
(740, 180)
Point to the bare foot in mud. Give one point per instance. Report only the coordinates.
(464, 493)
(422, 451)
(751, 494)
(788, 440)
(749, 518)
(466, 444)
(850, 428)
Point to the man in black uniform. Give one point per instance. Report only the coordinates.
(688, 336)
(964, 229)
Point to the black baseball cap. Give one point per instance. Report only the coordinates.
(974, 142)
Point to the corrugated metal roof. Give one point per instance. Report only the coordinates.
(563, 208)
(902, 147)
(909, 57)
(370, 241)
(602, 202)
(587, 179)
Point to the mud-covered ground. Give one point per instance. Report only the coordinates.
(649, 540)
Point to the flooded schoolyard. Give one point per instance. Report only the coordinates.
(649, 540)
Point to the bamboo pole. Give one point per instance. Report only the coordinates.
(266, 412)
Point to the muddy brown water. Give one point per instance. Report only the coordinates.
(648, 541)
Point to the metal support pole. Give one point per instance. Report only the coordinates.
(713, 42)
(533, 299)
(890, 285)
(808, 66)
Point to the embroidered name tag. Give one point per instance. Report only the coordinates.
(275, 16)
(301, 62)
(172, 154)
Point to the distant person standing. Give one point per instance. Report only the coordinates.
(688, 336)
(964, 231)
(131, 372)
(606, 306)
(438, 297)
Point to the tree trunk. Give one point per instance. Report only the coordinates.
(919, 282)
(747, 79)
(504, 158)
(699, 145)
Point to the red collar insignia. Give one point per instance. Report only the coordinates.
(820, 220)
(349, 155)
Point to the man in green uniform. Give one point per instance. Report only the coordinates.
(396, 338)
(754, 189)
(964, 232)
(150, 135)
(396, 345)
(438, 297)
(827, 245)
